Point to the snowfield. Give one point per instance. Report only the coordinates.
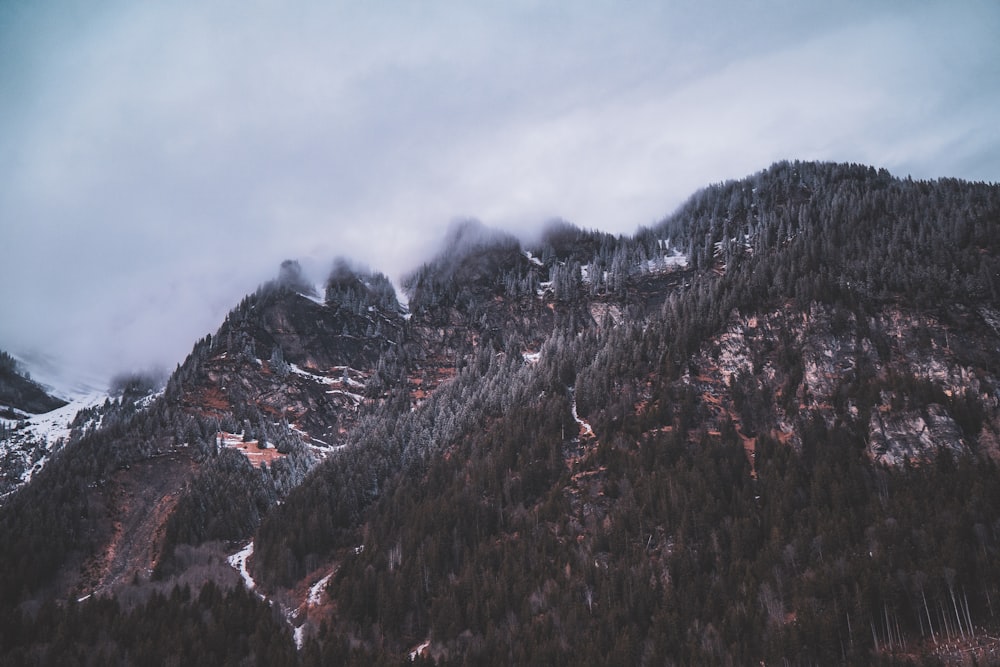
(37, 437)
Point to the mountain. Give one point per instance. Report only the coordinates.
(33, 424)
(763, 429)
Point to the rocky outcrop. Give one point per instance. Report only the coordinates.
(907, 382)
(902, 436)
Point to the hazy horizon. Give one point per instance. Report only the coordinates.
(161, 160)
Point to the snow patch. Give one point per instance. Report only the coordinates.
(351, 382)
(587, 430)
(357, 398)
(419, 650)
(314, 296)
(531, 258)
(316, 591)
(343, 376)
(677, 259)
(322, 379)
(239, 561)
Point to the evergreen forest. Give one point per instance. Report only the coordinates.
(765, 430)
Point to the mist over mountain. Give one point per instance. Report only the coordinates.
(763, 429)
(161, 163)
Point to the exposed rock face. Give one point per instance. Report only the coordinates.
(908, 383)
(911, 435)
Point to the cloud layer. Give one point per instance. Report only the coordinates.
(160, 160)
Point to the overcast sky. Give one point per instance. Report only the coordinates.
(159, 160)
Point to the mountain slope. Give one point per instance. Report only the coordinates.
(763, 429)
(738, 424)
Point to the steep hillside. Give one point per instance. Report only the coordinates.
(764, 429)
(694, 473)
(19, 394)
(34, 424)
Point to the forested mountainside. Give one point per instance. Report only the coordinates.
(765, 429)
(21, 399)
(19, 395)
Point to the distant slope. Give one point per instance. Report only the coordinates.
(19, 394)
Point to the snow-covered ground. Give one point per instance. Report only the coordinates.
(587, 430)
(80, 388)
(677, 259)
(239, 561)
(357, 398)
(343, 376)
(343, 379)
(318, 295)
(38, 437)
(53, 426)
(531, 357)
(419, 650)
(322, 379)
(351, 382)
(316, 590)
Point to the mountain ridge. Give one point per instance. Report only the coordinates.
(562, 438)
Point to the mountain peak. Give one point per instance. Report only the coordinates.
(290, 275)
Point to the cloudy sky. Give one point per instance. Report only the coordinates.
(159, 160)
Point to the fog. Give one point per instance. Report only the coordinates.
(160, 160)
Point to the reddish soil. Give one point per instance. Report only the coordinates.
(208, 401)
(138, 499)
(253, 453)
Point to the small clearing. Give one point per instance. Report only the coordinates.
(250, 449)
